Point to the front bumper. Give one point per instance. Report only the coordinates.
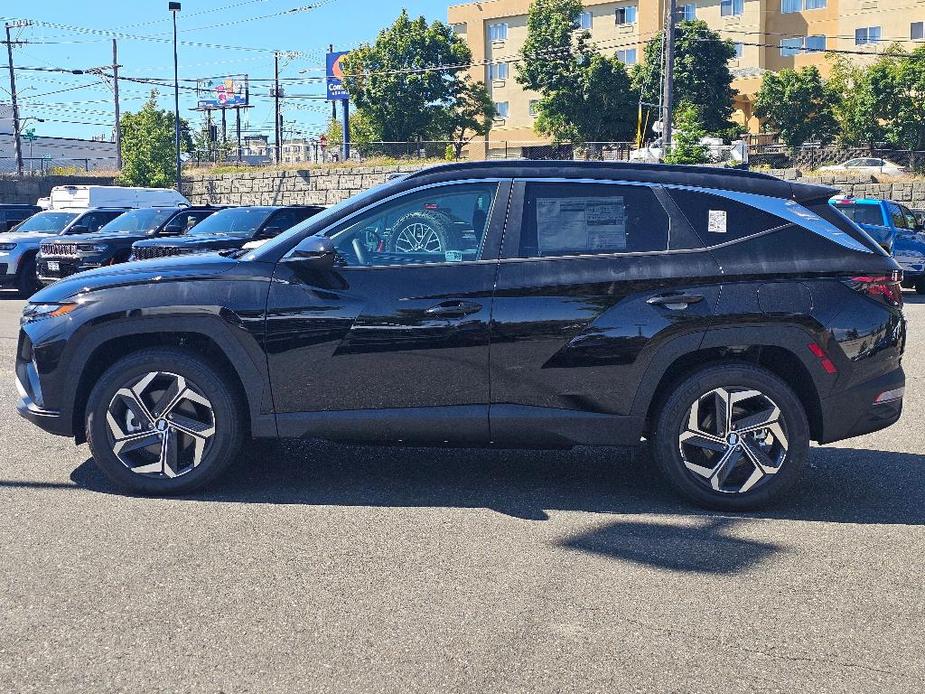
(853, 412)
(51, 269)
(31, 405)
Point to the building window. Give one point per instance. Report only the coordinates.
(688, 12)
(497, 71)
(626, 15)
(791, 47)
(866, 35)
(815, 43)
(788, 6)
(815, 4)
(628, 56)
(731, 8)
(497, 32)
(503, 108)
(584, 20)
(534, 111)
(917, 31)
(740, 49)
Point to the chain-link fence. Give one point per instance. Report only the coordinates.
(809, 157)
(43, 166)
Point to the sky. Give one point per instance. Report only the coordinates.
(241, 36)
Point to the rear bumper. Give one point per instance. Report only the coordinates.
(853, 412)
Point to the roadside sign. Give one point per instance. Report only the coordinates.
(29, 135)
(335, 74)
(223, 92)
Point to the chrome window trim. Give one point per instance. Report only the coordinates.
(442, 184)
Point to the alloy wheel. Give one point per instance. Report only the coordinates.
(734, 440)
(161, 425)
(418, 238)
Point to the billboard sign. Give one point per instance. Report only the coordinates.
(336, 89)
(223, 92)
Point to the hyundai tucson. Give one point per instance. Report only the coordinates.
(724, 318)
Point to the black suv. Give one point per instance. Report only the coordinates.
(230, 229)
(11, 214)
(112, 243)
(726, 318)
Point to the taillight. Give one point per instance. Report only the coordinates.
(823, 358)
(884, 288)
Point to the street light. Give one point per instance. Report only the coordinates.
(174, 7)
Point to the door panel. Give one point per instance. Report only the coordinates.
(572, 336)
(387, 338)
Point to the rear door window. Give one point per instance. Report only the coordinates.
(718, 219)
(562, 219)
(897, 216)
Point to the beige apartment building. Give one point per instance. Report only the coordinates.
(769, 35)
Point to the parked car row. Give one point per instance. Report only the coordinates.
(51, 245)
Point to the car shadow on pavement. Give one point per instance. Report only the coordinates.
(843, 485)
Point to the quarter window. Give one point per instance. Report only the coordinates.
(590, 218)
(438, 225)
(717, 219)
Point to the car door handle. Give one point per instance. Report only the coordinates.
(675, 302)
(453, 309)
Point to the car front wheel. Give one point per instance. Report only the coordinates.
(163, 421)
(731, 436)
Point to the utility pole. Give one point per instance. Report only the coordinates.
(115, 91)
(174, 7)
(17, 143)
(668, 97)
(277, 116)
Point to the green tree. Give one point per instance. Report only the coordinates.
(471, 116)
(701, 74)
(798, 104)
(687, 133)
(405, 82)
(148, 149)
(362, 132)
(585, 96)
(857, 106)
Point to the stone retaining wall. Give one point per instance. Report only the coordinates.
(323, 186)
(30, 188)
(908, 191)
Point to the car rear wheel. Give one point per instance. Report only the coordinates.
(163, 421)
(731, 436)
(422, 232)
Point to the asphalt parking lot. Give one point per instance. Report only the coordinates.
(319, 567)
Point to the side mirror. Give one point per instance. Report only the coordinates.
(314, 249)
(173, 229)
(78, 229)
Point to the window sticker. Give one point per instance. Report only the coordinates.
(577, 224)
(454, 256)
(716, 221)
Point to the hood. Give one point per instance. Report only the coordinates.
(100, 236)
(17, 236)
(219, 241)
(139, 272)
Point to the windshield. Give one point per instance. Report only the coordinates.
(241, 221)
(862, 214)
(322, 219)
(47, 221)
(143, 220)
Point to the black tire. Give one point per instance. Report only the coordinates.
(920, 287)
(438, 223)
(204, 379)
(671, 421)
(27, 283)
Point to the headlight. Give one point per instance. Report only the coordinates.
(7, 246)
(36, 312)
(92, 247)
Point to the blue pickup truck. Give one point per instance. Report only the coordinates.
(894, 227)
